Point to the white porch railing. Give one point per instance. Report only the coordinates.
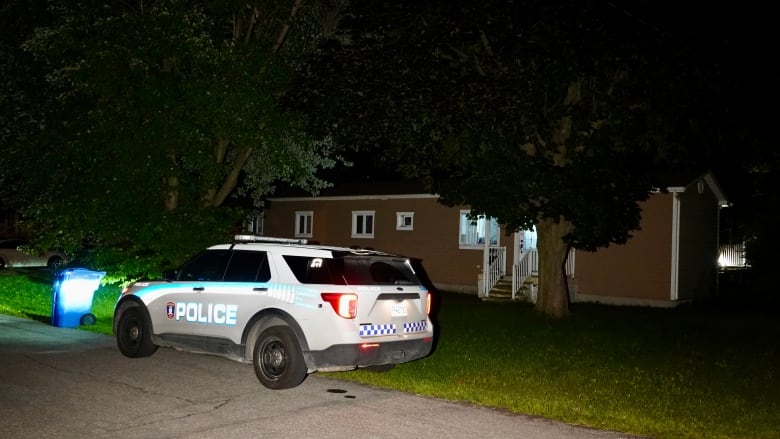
(528, 266)
(496, 269)
(732, 256)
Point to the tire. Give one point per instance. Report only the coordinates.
(88, 319)
(54, 262)
(133, 334)
(278, 359)
(2, 263)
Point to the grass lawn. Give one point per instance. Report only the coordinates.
(694, 371)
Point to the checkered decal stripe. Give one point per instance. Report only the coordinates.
(369, 330)
(415, 326)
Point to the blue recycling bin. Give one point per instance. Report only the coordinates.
(72, 302)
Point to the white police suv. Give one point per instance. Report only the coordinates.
(287, 307)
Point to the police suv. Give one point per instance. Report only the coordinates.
(287, 307)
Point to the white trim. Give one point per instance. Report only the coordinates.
(674, 293)
(309, 214)
(365, 214)
(255, 223)
(478, 246)
(715, 188)
(486, 258)
(356, 197)
(399, 221)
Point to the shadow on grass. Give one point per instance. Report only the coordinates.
(39, 275)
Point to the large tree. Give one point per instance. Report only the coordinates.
(150, 118)
(553, 115)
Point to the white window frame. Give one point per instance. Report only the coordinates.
(469, 236)
(404, 220)
(305, 229)
(255, 224)
(359, 218)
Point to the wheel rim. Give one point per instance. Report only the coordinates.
(274, 358)
(132, 333)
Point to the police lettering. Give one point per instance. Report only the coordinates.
(216, 313)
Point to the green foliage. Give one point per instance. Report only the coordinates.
(532, 112)
(523, 110)
(156, 128)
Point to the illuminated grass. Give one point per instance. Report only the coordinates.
(28, 293)
(691, 372)
(664, 373)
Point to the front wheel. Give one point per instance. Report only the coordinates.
(133, 334)
(277, 358)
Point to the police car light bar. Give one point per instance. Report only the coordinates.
(255, 238)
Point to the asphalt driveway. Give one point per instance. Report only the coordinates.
(68, 383)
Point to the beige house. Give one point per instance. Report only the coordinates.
(672, 259)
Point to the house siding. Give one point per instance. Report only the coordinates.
(698, 244)
(639, 269)
(433, 239)
(650, 269)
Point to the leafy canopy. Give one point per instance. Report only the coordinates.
(546, 114)
(156, 124)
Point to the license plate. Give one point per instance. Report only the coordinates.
(398, 310)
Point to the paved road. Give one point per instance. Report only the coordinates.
(67, 383)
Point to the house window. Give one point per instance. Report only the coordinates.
(404, 220)
(254, 224)
(303, 224)
(472, 231)
(362, 223)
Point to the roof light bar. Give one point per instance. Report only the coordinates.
(256, 238)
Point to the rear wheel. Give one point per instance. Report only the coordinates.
(54, 262)
(133, 335)
(278, 359)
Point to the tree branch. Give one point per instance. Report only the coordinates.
(232, 179)
(285, 30)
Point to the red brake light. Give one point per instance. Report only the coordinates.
(345, 304)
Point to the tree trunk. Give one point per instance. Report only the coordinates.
(553, 297)
(232, 179)
(172, 189)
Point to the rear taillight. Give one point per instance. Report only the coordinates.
(345, 304)
(428, 300)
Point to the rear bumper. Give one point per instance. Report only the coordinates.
(351, 356)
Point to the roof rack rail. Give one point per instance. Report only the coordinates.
(256, 238)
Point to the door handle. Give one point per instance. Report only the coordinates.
(261, 289)
(198, 289)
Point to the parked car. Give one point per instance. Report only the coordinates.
(285, 306)
(18, 253)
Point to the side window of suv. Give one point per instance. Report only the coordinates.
(309, 270)
(207, 266)
(248, 266)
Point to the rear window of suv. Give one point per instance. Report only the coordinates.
(351, 270)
